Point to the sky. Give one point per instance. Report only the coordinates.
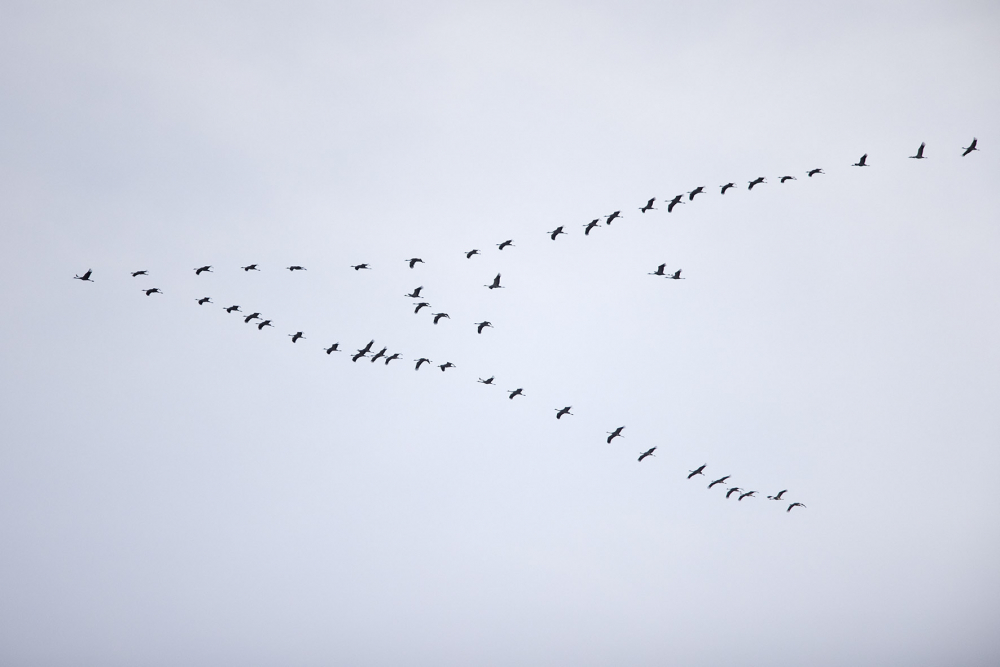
(179, 487)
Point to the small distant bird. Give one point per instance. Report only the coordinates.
(697, 471)
(295, 336)
(617, 433)
(85, 276)
(488, 380)
(139, 273)
(445, 366)
(515, 392)
(438, 316)
(250, 267)
(413, 261)
(333, 348)
(721, 480)
(676, 275)
(697, 191)
(674, 202)
(379, 354)
(506, 243)
(415, 294)
(394, 355)
(726, 187)
(496, 283)
(813, 172)
(648, 452)
(748, 494)
(155, 290)
(971, 147)
(358, 267)
(231, 309)
(756, 181)
(422, 304)
(358, 355)
(202, 269)
(648, 206)
(251, 316)
(367, 348)
(472, 252)
(778, 496)
(265, 323)
(422, 360)
(862, 162)
(590, 225)
(482, 325)
(783, 179)
(296, 267)
(920, 152)
(659, 271)
(733, 490)
(202, 301)
(616, 214)
(556, 232)
(794, 505)
(563, 411)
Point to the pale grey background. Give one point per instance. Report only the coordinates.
(177, 487)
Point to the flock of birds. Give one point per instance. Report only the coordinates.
(367, 351)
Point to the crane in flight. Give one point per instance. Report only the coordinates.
(610, 218)
(439, 316)
(85, 276)
(250, 267)
(863, 162)
(794, 505)
(202, 301)
(556, 232)
(265, 323)
(488, 380)
(721, 480)
(748, 494)
(482, 325)
(674, 202)
(415, 294)
(508, 242)
(445, 366)
(659, 271)
(648, 206)
(295, 336)
(358, 267)
(357, 355)
(648, 452)
(733, 490)
(155, 290)
(232, 309)
(920, 152)
(563, 411)
(813, 172)
(778, 495)
(617, 433)
(756, 181)
(422, 360)
(589, 226)
(378, 355)
(697, 471)
(697, 191)
(676, 275)
(726, 187)
(139, 273)
(367, 348)
(515, 392)
(971, 147)
(333, 348)
(472, 252)
(251, 316)
(413, 261)
(202, 269)
(295, 267)
(422, 304)
(495, 284)
(394, 355)
(784, 179)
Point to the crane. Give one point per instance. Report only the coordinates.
(413, 261)
(617, 433)
(202, 269)
(726, 187)
(813, 172)
(295, 267)
(721, 480)
(783, 179)
(920, 152)
(495, 284)
(610, 218)
(358, 267)
(794, 505)
(648, 206)
(482, 325)
(394, 355)
(439, 316)
(488, 380)
(748, 494)
(697, 191)
(422, 360)
(697, 471)
(778, 495)
(85, 276)
(232, 309)
(648, 452)
(506, 243)
(265, 323)
(415, 294)
(563, 411)
(756, 181)
(202, 301)
(863, 162)
(422, 304)
(971, 147)
(445, 366)
(250, 267)
(333, 348)
(589, 226)
(251, 316)
(659, 271)
(155, 290)
(515, 392)
(472, 252)
(733, 490)
(378, 355)
(676, 275)
(295, 336)
(556, 232)
(674, 202)
(139, 273)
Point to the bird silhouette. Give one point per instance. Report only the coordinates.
(674, 202)
(756, 181)
(295, 336)
(368, 348)
(251, 316)
(697, 471)
(813, 172)
(648, 452)
(357, 355)
(154, 290)
(787, 178)
(971, 147)
(748, 494)
(863, 162)
(495, 284)
(358, 267)
(445, 366)
(265, 323)
(232, 309)
(422, 304)
(202, 269)
(648, 206)
(778, 496)
(488, 380)
(139, 273)
(617, 433)
(676, 275)
(415, 294)
(556, 232)
(794, 505)
(333, 348)
(394, 355)
(413, 261)
(378, 355)
(202, 301)
(250, 267)
(482, 325)
(589, 226)
(85, 276)
(563, 411)
(472, 252)
(659, 271)
(515, 392)
(726, 187)
(610, 218)
(920, 153)
(506, 243)
(438, 316)
(733, 490)
(422, 360)
(296, 267)
(697, 191)
(721, 480)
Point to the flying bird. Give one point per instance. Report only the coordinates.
(496, 283)
(590, 225)
(794, 505)
(296, 267)
(616, 214)
(676, 275)
(748, 494)
(617, 433)
(250, 267)
(445, 366)
(813, 172)
(413, 261)
(358, 355)
(482, 325)
(155, 290)
(230, 309)
(556, 232)
(85, 276)
(787, 178)
(438, 316)
(515, 392)
(674, 202)
(251, 316)
(778, 496)
(733, 490)
(659, 271)
(139, 273)
(648, 206)
(394, 355)
(422, 304)
(472, 252)
(367, 348)
(202, 301)
(920, 152)
(506, 243)
(333, 348)
(648, 452)
(697, 471)
(488, 380)
(862, 162)
(379, 354)
(721, 480)
(726, 187)
(422, 360)
(201, 269)
(563, 411)
(697, 191)
(756, 181)
(265, 323)
(295, 336)
(971, 147)
(415, 294)
(358, 267)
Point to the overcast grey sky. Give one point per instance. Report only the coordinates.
(177, 487)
